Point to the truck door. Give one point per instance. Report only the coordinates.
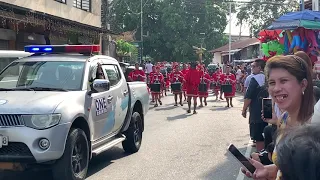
(101, 107)
(120, 93)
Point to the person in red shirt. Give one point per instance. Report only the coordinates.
(231, 79)
(156, 77)
(150, 75)
(192, 82)
(204, 78)
(184, 87)
(137, 74)
(177, 77)
(216, 80)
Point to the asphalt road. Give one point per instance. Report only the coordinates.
(175, 146)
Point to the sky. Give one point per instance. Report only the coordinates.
(235, 30)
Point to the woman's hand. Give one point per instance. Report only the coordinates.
(274, 119)
(261, 172)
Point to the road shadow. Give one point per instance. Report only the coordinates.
(166, 108)
(96, 164)
(228, 169)
(181, 116)
(219, 108)
(105, 159)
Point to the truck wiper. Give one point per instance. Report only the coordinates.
(47, 89)
(6, 89)
(41, 89)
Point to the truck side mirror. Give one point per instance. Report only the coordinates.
(101, 85)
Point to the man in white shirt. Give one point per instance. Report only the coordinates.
(148, 70)
(149, 67)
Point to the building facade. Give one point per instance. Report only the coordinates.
(25, 22)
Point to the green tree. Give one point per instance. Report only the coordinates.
(126, 49)
(174, 26)
(259, 14)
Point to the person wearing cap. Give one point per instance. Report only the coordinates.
(137, 74)
(156, 77)
(205, 78)
(192, 79)
(177, 76)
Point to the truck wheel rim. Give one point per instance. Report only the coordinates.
(79, 159)
(137, 133)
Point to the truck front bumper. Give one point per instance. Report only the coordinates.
(23, 145)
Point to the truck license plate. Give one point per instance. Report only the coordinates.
(3, 141)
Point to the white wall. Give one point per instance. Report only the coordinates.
(315, 5)
(66, 11)
(216, 57)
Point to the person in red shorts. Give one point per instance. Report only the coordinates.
(192, 82)
(137, 74)
(231, 79)
(177, 76)
(151, 75)
(204, 77)
(156, 77)
(216, 80)
(184, 87)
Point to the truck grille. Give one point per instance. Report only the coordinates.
(10, 120)
(16, 152)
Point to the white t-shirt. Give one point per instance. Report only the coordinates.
(316, 114)
(149, 67)
(238, 74)
(247, 81)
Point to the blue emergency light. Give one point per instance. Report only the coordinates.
(85, 49)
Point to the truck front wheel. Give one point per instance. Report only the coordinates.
(73, 165)
(133, 134)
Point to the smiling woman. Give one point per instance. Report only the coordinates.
(290, 86)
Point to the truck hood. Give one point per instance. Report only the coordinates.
(31, 102)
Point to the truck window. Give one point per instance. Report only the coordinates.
(51, 74)
(112, 74)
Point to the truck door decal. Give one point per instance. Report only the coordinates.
(101, 106)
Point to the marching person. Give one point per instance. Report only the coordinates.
(184, 87)
(192, 82)
(176, 77)
(229, 79)
(137, 74)
(165, 77)
(216, 80)
(150, 75)
(204, 78)
(156, 78)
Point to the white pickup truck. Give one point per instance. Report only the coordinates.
(62, 105)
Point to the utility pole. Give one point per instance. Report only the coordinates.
(301, 5)
(230, 32)
(141, 29)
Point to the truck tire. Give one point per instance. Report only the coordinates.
(133, 134)
(73, 164)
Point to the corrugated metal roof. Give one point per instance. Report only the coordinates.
(237, 45)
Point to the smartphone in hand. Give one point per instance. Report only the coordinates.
(267, 108)
(241, 158)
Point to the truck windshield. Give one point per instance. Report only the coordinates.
(67, 75)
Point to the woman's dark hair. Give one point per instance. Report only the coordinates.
(193, 65)
(298, 154)
(297, 67)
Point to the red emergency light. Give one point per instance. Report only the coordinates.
(83, 49)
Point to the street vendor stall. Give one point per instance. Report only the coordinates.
(292, 32)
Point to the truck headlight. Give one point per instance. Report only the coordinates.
(41, 121)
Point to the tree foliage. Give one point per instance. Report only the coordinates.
(126, 49)
(174, 26)
(259, 14)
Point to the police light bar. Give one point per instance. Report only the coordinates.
(84, 49)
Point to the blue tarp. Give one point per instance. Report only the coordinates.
(301, 15)
(307, 19)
